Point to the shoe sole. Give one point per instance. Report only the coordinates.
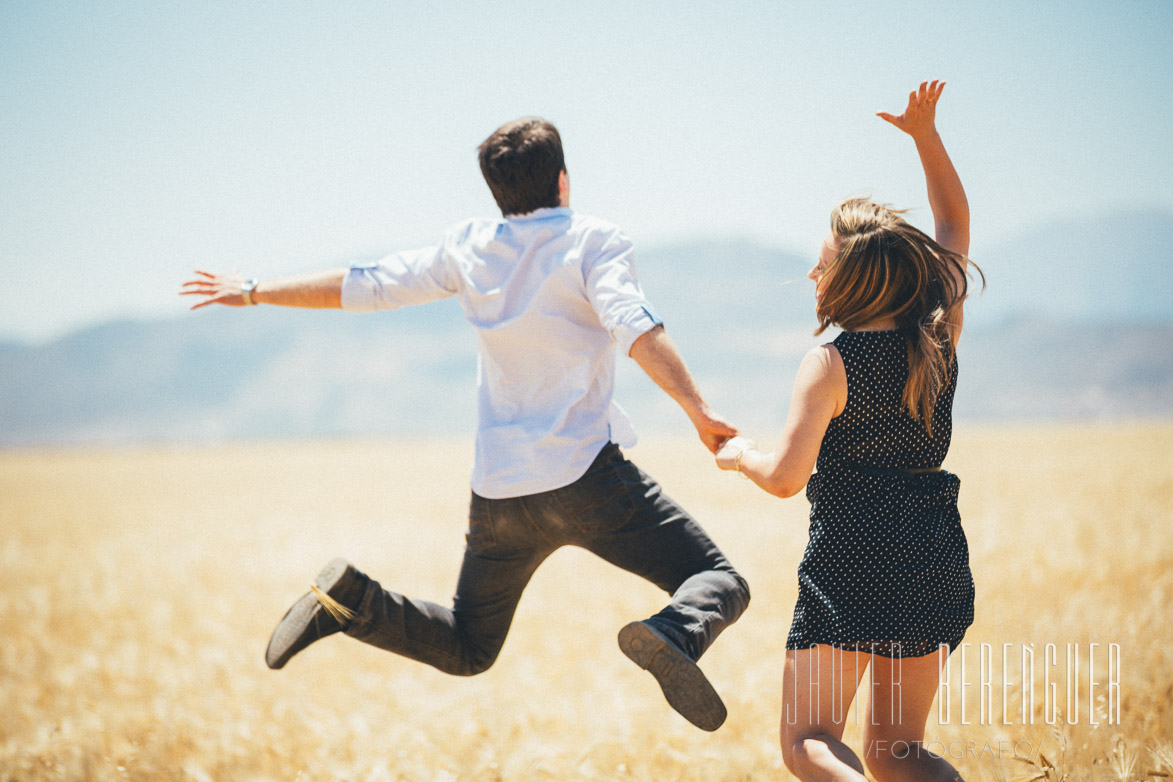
(684, 684)
(305, 611)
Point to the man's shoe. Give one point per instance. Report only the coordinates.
(683, 683)
(326, 609)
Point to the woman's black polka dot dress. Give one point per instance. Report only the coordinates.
(887, 566)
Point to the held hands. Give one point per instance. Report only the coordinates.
(731, 451)
(217, 288)
(713, 429)
(919, 117)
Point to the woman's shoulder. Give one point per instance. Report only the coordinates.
(825, 357)
(822, 372)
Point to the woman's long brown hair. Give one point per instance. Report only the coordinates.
(885, 267)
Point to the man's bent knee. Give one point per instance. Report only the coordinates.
(737, 596)
(472, 667)
(470, 661)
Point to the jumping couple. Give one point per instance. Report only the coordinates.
(885, 578)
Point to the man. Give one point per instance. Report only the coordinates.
(550, 294)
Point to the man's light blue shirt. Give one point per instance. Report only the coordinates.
(551, 295)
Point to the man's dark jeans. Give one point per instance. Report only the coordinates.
(615, 511)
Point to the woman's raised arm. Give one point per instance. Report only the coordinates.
(946, 195)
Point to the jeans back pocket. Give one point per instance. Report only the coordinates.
(599, 501)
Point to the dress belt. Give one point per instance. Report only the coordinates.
(898, 471)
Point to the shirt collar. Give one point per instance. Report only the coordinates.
(545, 213)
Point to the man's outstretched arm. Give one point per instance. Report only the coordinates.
(320, 290)
(656, 355)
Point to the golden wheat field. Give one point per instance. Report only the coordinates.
(138, 589)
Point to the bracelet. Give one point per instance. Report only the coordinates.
(246, 292)
(737, 466)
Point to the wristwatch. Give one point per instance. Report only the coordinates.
(246, 291)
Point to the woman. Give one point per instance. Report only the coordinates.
(885, 578)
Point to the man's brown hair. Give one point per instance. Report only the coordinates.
(521, 161)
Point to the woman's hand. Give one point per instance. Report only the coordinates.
(733, 448)
(919, 117)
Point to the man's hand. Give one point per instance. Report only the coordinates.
(714, 430)
(217, 288)
(318, 290)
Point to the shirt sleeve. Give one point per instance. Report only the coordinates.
(615, 293)
(399, 280)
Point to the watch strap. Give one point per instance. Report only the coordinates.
(246, 291)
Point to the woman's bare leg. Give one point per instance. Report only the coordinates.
(902, 693)
(818, 685)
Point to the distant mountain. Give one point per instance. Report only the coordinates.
(227, 373)
(1034, 369)
(1116, 266)
(741, 313)
(1112, 267)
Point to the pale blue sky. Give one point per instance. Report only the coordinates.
(140, 140)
